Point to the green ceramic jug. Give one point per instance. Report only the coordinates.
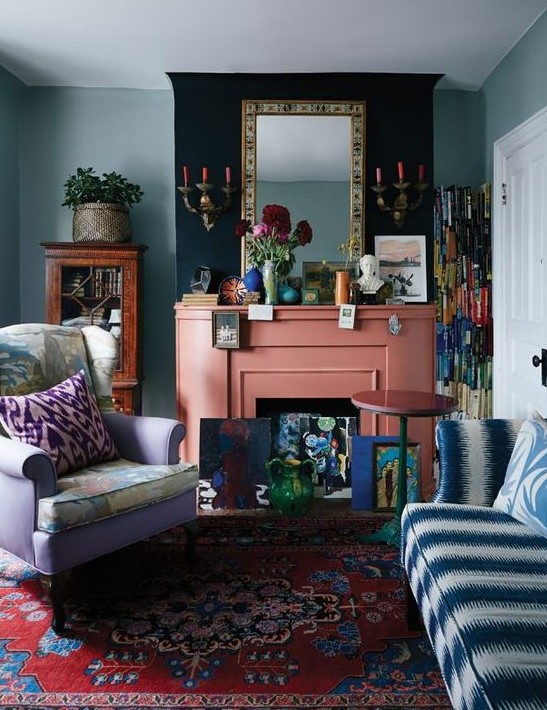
(291, 485)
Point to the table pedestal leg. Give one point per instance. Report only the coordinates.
(391, 531)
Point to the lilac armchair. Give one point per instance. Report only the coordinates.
(54, 521)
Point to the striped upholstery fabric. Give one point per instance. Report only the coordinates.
(480, 580)
(479, 576)
(473, 458)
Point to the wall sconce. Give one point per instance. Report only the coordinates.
(207, 209)
(401, 204)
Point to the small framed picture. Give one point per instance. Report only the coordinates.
(225, 329)
(402, 262)
(346, 317)
(385, 468)
(321, 275)
(310, 296)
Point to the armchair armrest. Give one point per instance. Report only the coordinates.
(20, 460)
(145, 439)
(473, 458)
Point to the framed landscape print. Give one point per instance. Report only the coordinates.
(402, 262)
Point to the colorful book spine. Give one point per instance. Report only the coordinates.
(463, 283)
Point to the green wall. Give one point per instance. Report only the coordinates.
(516, 89)
(11, 93)
(458, 143)
(131, 132)
(467, 124)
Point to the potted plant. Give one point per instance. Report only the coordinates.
(101, 205)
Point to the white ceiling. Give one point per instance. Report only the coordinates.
(133, 43)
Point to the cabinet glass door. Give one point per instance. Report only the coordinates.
(93, 295)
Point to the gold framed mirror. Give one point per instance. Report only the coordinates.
(308, 156)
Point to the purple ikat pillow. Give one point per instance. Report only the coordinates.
(64, 421)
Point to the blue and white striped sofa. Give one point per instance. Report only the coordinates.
(479, 576)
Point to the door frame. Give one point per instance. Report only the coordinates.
(504, 147)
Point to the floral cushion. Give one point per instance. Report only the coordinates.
(524, 491)
(64, 421)
(98, 492)
(36, 356)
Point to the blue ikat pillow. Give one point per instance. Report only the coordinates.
(524, 491)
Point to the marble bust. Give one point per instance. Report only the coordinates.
(368, 281)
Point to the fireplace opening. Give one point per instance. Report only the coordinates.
(317, 428)
(323, 406)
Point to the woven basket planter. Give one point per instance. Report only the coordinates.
(101, 222)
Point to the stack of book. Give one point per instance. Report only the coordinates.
(463, 279)
(251, 297)
(199, 299)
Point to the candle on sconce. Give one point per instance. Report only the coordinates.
(378, 176)
(204, 174)
(185, 175)
(421, 172)
(228, 175)
(400, 170)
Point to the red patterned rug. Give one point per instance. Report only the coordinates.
(275, 613)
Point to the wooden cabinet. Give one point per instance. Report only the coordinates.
(101, 284)
(303, 355)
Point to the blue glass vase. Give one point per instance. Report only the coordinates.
(287, 294)
(253, 279)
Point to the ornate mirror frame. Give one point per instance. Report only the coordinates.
(356, 110)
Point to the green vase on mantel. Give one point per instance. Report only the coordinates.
(269, 278)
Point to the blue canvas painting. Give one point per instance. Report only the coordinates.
(286, 435)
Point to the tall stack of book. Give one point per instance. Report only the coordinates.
(463, 290)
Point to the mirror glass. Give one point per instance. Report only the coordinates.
(308, 157)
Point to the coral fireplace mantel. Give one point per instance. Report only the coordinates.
(302, 353)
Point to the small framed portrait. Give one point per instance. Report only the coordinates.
(385, 469)
(402, 262)
(225, 329)
(321, 275)
(310, 297)
(346, 317)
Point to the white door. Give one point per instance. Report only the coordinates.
(519, 252)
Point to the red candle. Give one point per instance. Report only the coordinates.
(400, 170)
(421, 172)
(204, 174)
(378, 176)
(185, 175)
(228, 175)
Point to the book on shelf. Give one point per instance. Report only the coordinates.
(201, 299)
(463, 283)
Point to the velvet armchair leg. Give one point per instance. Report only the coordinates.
(57, 586)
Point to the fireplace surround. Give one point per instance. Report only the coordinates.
(302, 355)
